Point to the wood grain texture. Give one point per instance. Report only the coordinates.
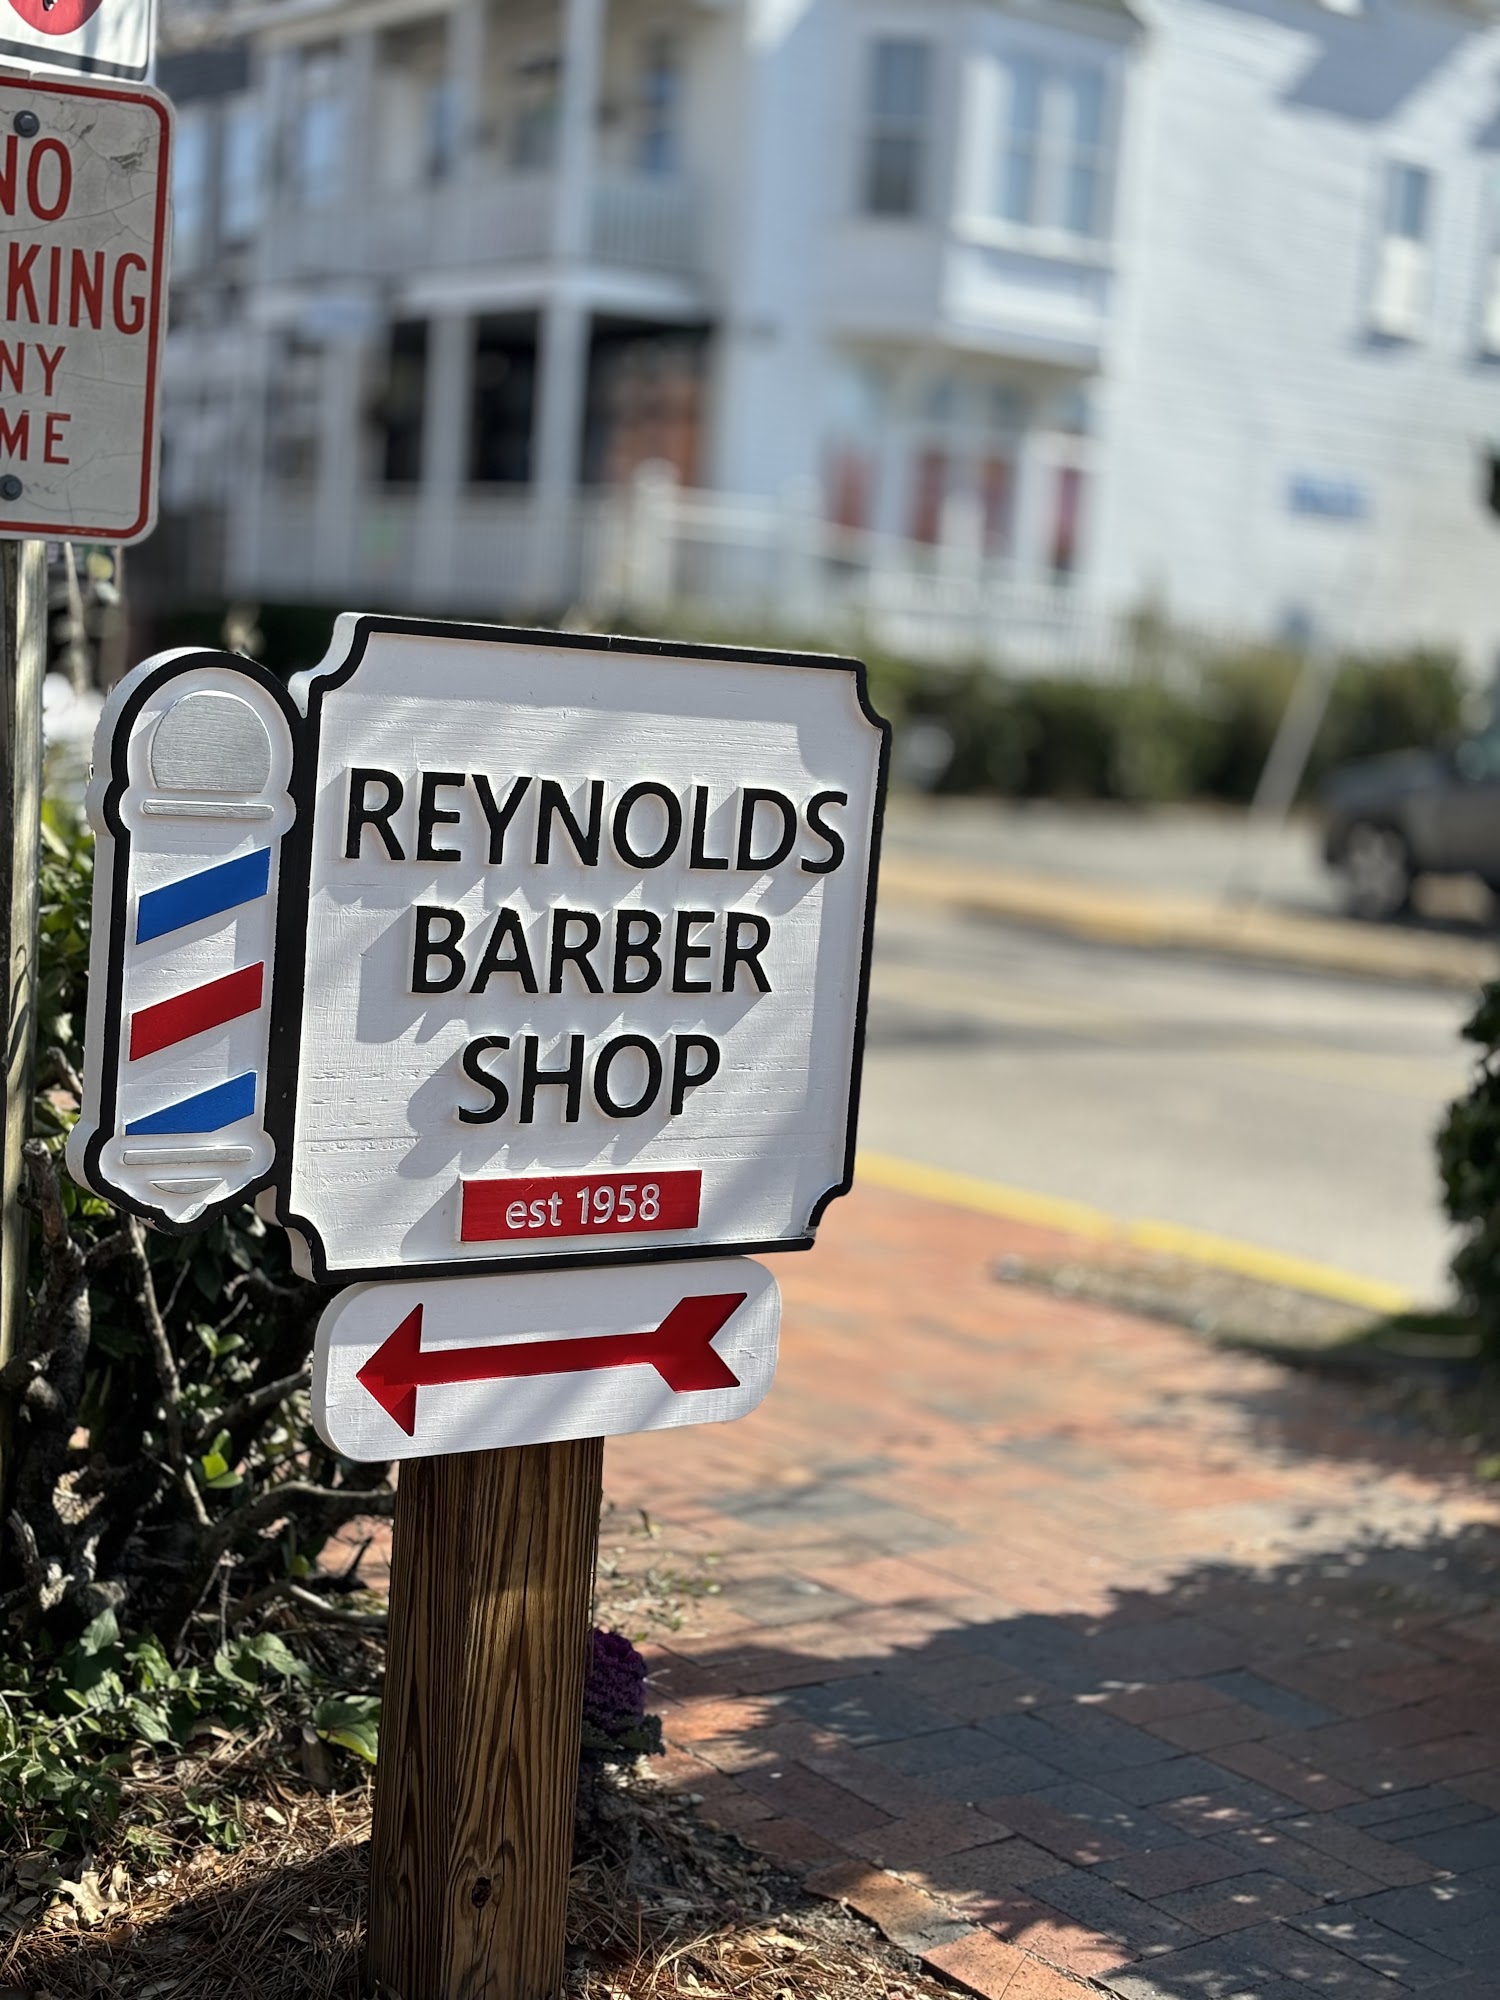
(23, 662)
(492, 1574)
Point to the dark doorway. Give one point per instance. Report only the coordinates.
(403, 405)
(504, 394)
(645, 400)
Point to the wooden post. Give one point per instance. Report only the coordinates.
(492, 1575)
(23, 662)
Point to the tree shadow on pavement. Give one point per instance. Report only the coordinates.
(1253, 1784)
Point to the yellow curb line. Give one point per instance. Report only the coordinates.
(1197, 1246)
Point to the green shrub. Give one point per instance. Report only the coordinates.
(1188, 719)
(1148, 742)
(165, 1626)
(166, 1498)
(1469, 1159)
(1399, 702)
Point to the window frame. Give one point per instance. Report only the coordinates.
(1399, 287)
(193, 147)
(243, 113)
(912, 128)
(1057, 156)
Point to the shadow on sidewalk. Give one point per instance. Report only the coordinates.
(1251, 1785)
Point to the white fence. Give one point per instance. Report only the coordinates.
(781, 565)
(659, 551)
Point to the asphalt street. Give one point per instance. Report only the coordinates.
(1291, 1110)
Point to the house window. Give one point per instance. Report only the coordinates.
(533, 130)
(660, 92)
(997, 503)
(850, 487)
(318, 136)
(417, 107)
(895, 161)
(1067, 507)
(928, 492)
(190, 191)
(1052, 161)
(243, 198)
(1398, 304)
(1489, 299)
(444, 133)
(293, 399)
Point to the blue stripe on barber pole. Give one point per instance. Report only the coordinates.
(205, 894)
(208, 1111)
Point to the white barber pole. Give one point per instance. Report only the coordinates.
(520, 977)
(84, 218)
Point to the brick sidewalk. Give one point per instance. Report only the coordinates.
(1070, 1650)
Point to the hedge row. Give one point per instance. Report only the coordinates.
(1185, 725)
(1205, 736)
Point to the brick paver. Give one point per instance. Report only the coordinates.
(1073, 1651)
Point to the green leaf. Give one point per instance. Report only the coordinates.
(101, 1632)
(272, 1651)
(350, 1720)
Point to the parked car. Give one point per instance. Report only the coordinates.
(1418, 812)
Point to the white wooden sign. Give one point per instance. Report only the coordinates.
(94, 37)
(84, 217)
(483, 949)
(408, 1370)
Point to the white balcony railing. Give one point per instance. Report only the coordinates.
(643, 223)
(766, 565)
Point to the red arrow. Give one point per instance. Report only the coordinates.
(680, 1350)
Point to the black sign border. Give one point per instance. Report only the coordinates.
(293, 878)
(291, 943)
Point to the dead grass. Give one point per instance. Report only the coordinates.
(1223, 1305)
(660, 1905)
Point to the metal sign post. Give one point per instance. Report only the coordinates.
(83, 197)
(521, 978)
(23, 659)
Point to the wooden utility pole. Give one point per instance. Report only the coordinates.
(492, 1575)
(23, 662)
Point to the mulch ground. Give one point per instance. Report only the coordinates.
(660, 1904)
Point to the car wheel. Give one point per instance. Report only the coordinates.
(1377, 871)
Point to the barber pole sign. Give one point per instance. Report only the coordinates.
(481, 951)
(84, 219)
(521, 978)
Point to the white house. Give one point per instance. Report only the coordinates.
(989, 323)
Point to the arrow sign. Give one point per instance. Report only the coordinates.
(679, 1350)
(538, 1357)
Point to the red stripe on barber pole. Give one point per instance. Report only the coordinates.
(193, 1013)
(514, 1208)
